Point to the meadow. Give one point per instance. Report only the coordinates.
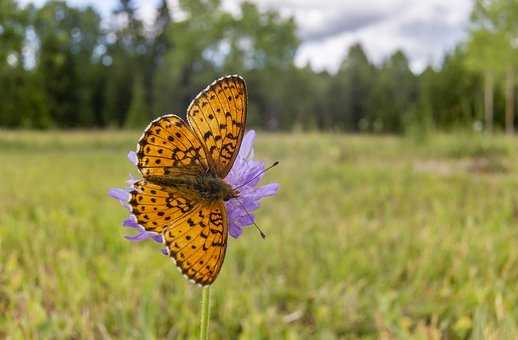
(369, 237)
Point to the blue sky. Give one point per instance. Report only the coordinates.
(424, 29)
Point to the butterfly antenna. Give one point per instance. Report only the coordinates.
(263, 235)
(259, 174)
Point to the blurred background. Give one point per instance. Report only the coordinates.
(378, 66)
(393, 123)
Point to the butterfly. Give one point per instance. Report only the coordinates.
(183, 164)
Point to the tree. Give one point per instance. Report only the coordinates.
(126, 53)
(267, 43)
(22, 101)
(68, 39)
(186, 69)
(394, 94)
(138, 115)
(492, 51)
(210, 42)
(159, 46)
(505, 17)
(351, 89)
(451, 93)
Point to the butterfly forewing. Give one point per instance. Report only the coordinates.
(169, 147)
(218, 116)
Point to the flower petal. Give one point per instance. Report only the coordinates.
(131, 222)
(239, 214)
(119, 194)
(158, 238)
(235, 230)
(266, 190)
(247, 146)
(243, 174)
(247, 204)
(246, 220)
(252, 174)
(132, 156)
(144, 235)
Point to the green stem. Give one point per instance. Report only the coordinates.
(205, 313)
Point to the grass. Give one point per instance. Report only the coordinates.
(369, 237)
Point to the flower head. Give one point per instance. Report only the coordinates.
(245, 175)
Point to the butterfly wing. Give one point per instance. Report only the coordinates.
(218, 116)
(198, 242)
(169, 147)
(156, 208)
(195, 232)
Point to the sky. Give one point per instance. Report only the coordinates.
(424, 29)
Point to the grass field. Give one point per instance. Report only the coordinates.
(369, 237)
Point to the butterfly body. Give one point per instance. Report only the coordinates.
(184, 164)
(214, 189)
(206, 187)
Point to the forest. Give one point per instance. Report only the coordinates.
(68, 67)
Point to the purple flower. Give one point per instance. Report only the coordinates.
(246, 175)
(132, 156)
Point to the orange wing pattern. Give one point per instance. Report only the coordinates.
(195, 231)
(198, 242)
(218, 116)
(169, 147)
(156, 208)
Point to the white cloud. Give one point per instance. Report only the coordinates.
(424, 29)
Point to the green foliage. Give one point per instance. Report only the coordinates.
(373, 238)
(350, 92)
(493, 50)
(137, 115)
(451, 96)
(394, 94)
(87, 74)
(22, 102)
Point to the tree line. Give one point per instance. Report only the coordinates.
(65, 67)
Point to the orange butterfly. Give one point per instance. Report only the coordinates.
(182, 193)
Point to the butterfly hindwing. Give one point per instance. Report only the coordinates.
(156, 208)
(197, 242)
(169, 147)
(218, 116)
(194, 232)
